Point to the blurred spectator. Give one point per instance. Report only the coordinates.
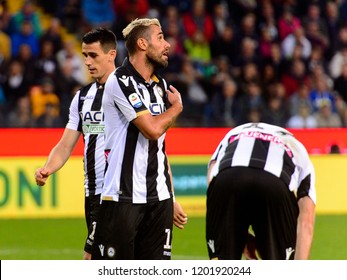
(26, 36)
(16, 84)
(21, 117)
(340, 83)
(251, 103)
(302, 118)
(69, 55)
(46, 65)
(317, 59)
(66, 88)
(27, 13)
(320, 93)
(49, 119)
(224, 104)
(248, 28)
(248, 54)
(265, 43)
(239, 8)
(316, 37)
(198, 50)
(275, 111)
(172, 26)
(325, 117)
(296, 75)
(230, 108)
(225, 44)
(268, 77)
(53, 34)
(176, 59)
(220, 17)
(299, 98)
(275, 59)
(287, 23)
(97, 13)
(296, 38)
(334, 23)
(41, 95)
(193, 93)
(337, 61)
(314, 15)
(198, 19)
(249, 74)
(267, 20)
(71, 16)
(27, 59)
(340, 105)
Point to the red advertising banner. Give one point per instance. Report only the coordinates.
(179, 141)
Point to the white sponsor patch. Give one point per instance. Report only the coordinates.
(135, 100)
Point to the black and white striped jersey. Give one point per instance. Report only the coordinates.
(136, 168)
(271, 148)
(87, 116)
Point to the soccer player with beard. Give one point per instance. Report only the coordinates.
(138, 207)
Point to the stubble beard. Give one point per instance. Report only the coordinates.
(157, 62)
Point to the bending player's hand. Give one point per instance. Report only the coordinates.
(41, 175)
(180, 218)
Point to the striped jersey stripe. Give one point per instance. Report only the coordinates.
(86, 116)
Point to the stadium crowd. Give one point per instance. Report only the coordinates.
(234, 61)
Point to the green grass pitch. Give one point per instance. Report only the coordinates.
(63, 239)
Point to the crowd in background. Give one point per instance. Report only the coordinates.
(234, 61)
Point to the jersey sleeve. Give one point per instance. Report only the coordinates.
(126, 96)
(74, 118)
(307, 176)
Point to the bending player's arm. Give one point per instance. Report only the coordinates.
(58, 156)
(305, 228)
(152, 127)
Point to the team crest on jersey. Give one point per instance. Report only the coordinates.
(135, 100)
(111, 252)
(160, 91)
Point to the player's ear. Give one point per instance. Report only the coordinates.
(142, 43)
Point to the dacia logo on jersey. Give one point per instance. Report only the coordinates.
(92, 117)
(156, 108)
(135, 100)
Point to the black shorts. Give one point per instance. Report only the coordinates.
(91, 212)
(240, 197)
(127, 231)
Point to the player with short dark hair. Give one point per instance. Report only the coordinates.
(86, 118)
(260, 176)
(138, 209)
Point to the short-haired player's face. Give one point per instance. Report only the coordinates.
(97, 62)
(158, 48)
